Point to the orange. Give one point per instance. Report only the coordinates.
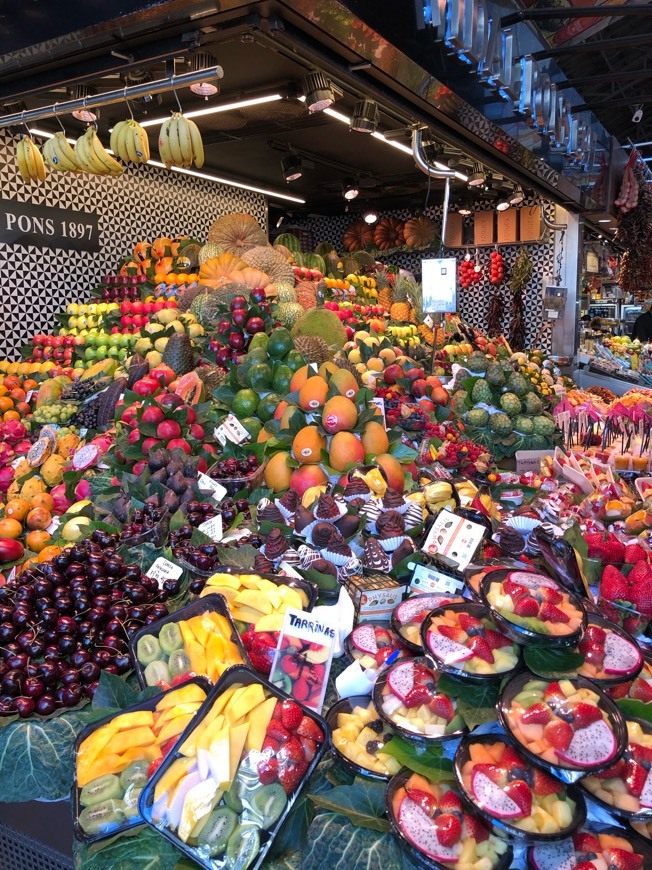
(11, 382)
(3, 390)
(10, 528)
(48, 553)
(25, 565)
(6, 404)
(23, 408)
(17, 394)
(37, 540)
(170, 278)
(17, 509)
(43, 500)
(38, 518)
(29, 384)
(11, 415)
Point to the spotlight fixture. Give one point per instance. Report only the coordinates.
(292, 170)
(517, 196)
(350, 189)
(370, 217)
(319, 91)
(365, 117)
(464, 208)
(503, 204)
(477, 176)
(280, 221)
(203, 60)
(84, 114)
(637, 117)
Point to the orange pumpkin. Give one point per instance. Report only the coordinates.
(161, 247)
(176, 244)
(389, 233)
(221, 267)
(142, 251)
(358, 235)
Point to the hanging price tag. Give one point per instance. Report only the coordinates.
(231, 430)
(429, 321)
(212, 528)
(379, 402)
(207, 484)
(163, 569)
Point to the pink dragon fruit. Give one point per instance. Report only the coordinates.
(590, 746)
(61, 503)
(401, 680)
(447, 650)
(13, 431)
(492, 798)
(406, 611)
(82, 490)
(6, 478)
(419, 829)
(85, 457)
(363, 638)
(7, 453)
(621, 656)
(532, 581)
(554, 856)
(646, 795)
(22, 447)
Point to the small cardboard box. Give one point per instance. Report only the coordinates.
(483, 228)
(374, 596)
(530, 460)
(530, 228)
(454, 230)
(507, 226)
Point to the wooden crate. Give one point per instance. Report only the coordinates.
(507, 230)
(454, 230)
(484, 228)
(530, 228)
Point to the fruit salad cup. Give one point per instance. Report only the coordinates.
(408, 615)
(358, 737)
(224, 791)
(463, 641)
(435, 828)
(114, 759)
(371, 643)
(592, 847)
(518, 800)
(198, 640)
(407, 698)
(611, 655)
(625, 787)
(640, 688)
(533, 609)
(477, 571)
(568, 727)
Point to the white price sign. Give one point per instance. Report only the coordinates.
(163, 569)
(439, 285)
(231, 430)
(379, 402)
(212, 528)
(207, 484)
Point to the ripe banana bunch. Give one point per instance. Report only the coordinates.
(93, 157)
(129, 142)
(179, 142)
(30, 162)
(59, 154)
(439, 495)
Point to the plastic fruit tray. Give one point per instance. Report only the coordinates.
(405, 616)
(347, 705)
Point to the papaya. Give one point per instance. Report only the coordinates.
(49, 391)
(105, 367)
(189, 388)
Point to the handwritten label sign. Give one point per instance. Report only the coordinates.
(213, 528)
(22, 223)
(207, 484)
(163, 569)
(231, 430)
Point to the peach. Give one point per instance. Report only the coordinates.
(305, 477)
(308, 444)
(300, 377)
(339, 414)
(312, 394)
(344, 451)
(278, 472)
(393, 469)
(374, 438)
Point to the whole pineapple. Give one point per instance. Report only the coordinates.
(401, 308)
(424, 331)
(385, 297)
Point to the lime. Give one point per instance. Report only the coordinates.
(253, 427)
(267, 407)
(260, 377)
(259, 340)
(279, 343)
(245, 403)
(294, 359)
(282, 378)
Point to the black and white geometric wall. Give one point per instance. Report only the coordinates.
(143, 203)
(473, 302)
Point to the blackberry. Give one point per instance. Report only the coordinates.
(376, 726)
(373, 746)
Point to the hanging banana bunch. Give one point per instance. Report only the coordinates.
(93, 157)
(179, 142)
(59, 154)
(30, 162)
(129, 142)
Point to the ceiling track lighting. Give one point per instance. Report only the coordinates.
(83, 92)
(503, 204)
(371, 216)
(477, 176)
(465, 208)
(292, 167)
(350, 189)
(203, 60)
(517, 196)
(319, 91)
(365, 117)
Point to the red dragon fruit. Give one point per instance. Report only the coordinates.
(82, 490)
(492, 798)
(6, 478)
(401, 680)
(13, 431)
(7, 454)
(22, 447)
(61, 503)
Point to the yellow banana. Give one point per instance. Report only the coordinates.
(63, 154)
(164, 150)
(83, 153)
(38, 158)
(101, 155)
(97, 167)
(114, 141)
(197, 144)
(141, 142)
(185, 144)
(22, 162)
(129, 143)
(173, 139)
(30, 160)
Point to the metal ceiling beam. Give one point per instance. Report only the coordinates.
(604, 78)
(588, 47)
(612, 104)
(539, 13)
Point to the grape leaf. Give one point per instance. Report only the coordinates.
(112, 691)
(334, 842)
(552, 664)
(363, 803)
(632, 707)
(474, 715)
(429, 762)
(140, 849)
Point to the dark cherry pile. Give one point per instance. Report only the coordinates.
(142, 520)
(228, 468)
(203, 557)
(63, 622)
(200, 511)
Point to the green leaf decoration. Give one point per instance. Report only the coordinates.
(429, 762)
(478, 696)
(138, 849)
(325, 582)
(403, 453)
(334, 842)
(363, 803)
(552, 664)
(638, 709)
(242, 557)
(575, 538)
(474, 716)
(112, 691)
(294, 832)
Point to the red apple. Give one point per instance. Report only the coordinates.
(146, 386)
(254, 325)
(163, 374)
(238, 302)
(168, 429)
(236, 340)
(392, 373)
(419, 387)
(150, 444)
(239, 316)
(125, 307)
(153, 414)
(181, 444)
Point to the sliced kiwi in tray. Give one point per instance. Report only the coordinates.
(102, 817)
(216, 833)
(103, 788)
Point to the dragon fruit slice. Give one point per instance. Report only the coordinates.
(595, 744)
(363, 638)
(418, 828)
(532, 581)
(401, 680)
(621, 656)
(413, 606)
(492, 798)
(646, 795)
(448, 650)
(554, 856)
(85, 457)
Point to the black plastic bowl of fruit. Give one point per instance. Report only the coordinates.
(358, 738)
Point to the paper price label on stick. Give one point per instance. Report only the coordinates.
(213, 528)
(207, 484)
(379, 402)
(231, 430)
(453, 538)
(163, 569)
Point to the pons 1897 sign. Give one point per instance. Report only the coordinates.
(22, 223)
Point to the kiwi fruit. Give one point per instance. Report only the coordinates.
(217, 831)
(269, 802)
(135, 775)
(148, 649)
(237, 796)
(179, 663)
(103, 788)
(157, 672)
(243, 846)
(170, 638)
(102, 817)
(131, 803)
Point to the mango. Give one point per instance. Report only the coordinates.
(94, 744)
(183, 695)
(173, 712)
(237, 738)
(246, 614)
(172, 776)
(255, 600)
(258, 719)
(137, 719)
(174, 727)
(227, 591)
(220, 759)
(125, 740)
(106, 764)
(252, 696)
(229, 580)
(271, 622)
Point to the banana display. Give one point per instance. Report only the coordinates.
(59, 154)
(93, 157)
(129, 142)
(179, 142)
(30, 161)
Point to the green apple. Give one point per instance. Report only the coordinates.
(114, 340)
(124, 340)
(113, 352)
(122, 354)
(90, 353)
(101, 352)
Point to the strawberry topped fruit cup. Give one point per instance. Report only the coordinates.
(464, 641)
(610, 654)
(517, 799)
(436, 830)
(640, 688)
(625, 787)
(408, 699)
(475, 573)
(533, 609)
(408, 616)
(589, 850)
(371, 644)
(569, 727)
